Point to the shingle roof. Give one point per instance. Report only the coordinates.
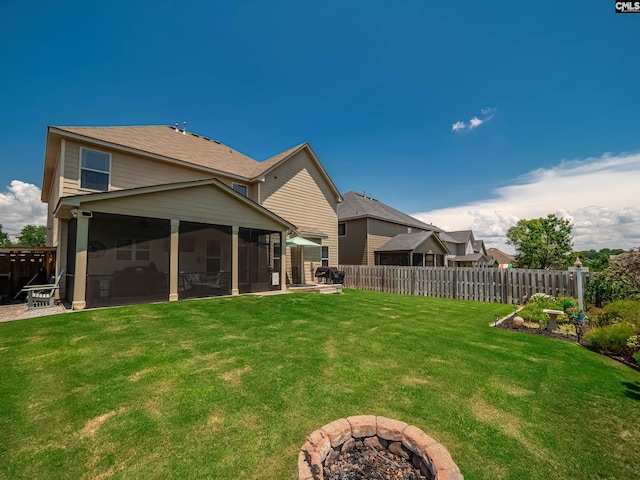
(460, 236)
(500, 256)
(445, 237)
(405, 242)
(356, 205)
(472, 257)
(168, 142)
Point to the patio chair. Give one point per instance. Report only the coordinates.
(41, 296)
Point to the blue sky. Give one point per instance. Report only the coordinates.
(375, 87)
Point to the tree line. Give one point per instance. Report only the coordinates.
(30, 236)
(546, 243)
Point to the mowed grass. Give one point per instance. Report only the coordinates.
(229, 388)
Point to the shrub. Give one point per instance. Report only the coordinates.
(619, 281)
(533, 311)
(620, 311)
(611, 338)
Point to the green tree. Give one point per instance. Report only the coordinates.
(597, 261)
(542, 242)
(5, 241)
(32, 236)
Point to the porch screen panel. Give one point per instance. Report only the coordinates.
(127, 260)
(204, 260)
(258, 260)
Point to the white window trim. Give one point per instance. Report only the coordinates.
(81, 168)
(234, 184)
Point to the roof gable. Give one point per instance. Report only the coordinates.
(66, 204)
(263, 168)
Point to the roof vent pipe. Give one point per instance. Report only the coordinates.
(184, 129)
(176, 128)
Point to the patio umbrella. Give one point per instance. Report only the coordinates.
(301, 243)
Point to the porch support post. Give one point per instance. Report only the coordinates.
(283, 260)
(173, 260)
(80, 275)
(234, 260)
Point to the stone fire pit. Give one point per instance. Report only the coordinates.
(326, 444)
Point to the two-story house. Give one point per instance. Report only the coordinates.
(373, 233)
(465, 250)
(158, 213)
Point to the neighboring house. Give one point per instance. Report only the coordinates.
(465, 250)
(500, 257)
(413, 250)
(156, 213)
(367, 227)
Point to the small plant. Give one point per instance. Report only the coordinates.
(611, 339)
(566, 329)
(542, 298)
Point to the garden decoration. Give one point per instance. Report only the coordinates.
(579, 322)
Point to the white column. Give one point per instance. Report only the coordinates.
(80, 275)
(234, 260)
(174, 255)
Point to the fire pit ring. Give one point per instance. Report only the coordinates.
(326, 444)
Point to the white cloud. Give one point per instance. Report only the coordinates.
(458, 126)
(474, 122)
(487, 114)
(599, 196)
(20, 205)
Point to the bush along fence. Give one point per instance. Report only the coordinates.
(481, 284)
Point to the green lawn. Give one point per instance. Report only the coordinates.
(229, 388)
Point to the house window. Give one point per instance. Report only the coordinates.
(130, 249)
(409, 230)
(212, 256)
(325, 256)
(342, 229)
(94, 170)
(277, 261)
(240, 188)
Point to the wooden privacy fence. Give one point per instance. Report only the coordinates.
(473, 283)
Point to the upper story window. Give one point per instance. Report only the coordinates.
(342, 229)
(238, 187)
(94, 170)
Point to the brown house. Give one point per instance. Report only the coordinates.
(156, 213)
(367, 226)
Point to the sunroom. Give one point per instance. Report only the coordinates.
(168, 242)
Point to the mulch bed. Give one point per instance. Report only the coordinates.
(508, 324)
